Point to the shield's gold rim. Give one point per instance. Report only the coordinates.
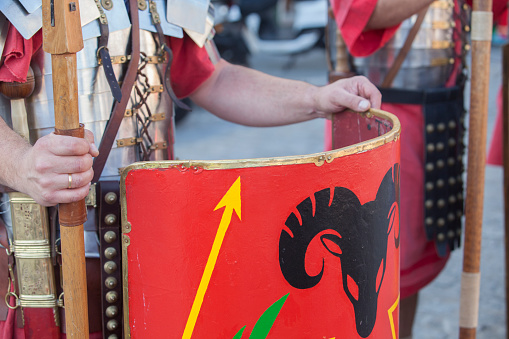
(316, 158)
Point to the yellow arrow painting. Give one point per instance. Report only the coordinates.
(231, 202)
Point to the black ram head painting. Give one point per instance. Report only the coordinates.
(356, 233)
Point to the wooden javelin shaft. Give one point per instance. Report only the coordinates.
(479, 94)
(505, 149)
(62, 38)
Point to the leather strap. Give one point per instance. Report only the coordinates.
(119, 107)
(393, 71)
(4, 271)
(110, 236)
(163, 45)
(74, 213)
(106, 61)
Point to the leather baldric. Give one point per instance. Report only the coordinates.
(104, 55)
(167, 74)
(119, 107)
(393, 71)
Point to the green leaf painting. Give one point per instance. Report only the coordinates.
(265, 322)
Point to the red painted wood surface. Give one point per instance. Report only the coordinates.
(174, 225)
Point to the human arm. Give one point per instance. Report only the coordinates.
(249, 97)
(388, 13)
(41, 170)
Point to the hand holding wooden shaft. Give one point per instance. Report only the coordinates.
(62, 38)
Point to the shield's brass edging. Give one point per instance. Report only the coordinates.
(317, 158)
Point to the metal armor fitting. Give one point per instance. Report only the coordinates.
(431, 57)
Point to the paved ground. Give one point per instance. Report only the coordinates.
(203, 136)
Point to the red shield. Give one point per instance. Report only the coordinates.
(270, 248)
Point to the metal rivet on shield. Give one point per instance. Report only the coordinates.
(111, 282)
(110, 198)
(110, 253)
(112, 297)
(112, 325)
(110, 267)
(110, 219)
(110, 237)
(111, 311)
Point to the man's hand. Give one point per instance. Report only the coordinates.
(44, 168)
(356, 93)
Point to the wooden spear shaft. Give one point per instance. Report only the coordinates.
(62, 38)
(482, 24)
(505, 150)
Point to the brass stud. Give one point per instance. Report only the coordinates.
(113, 336)
(429, 186)
(451, 161)
(441, 203)
(452, 142)
(110, 219)
(110, 267)
(440, 237)
(441, 127)
(467, 47)
(452, 199)
(452, 181)
(429, 204)
(440, 183)
(430, 128)
(441, 222)
(450, 234)
(430, 148)
(110, 198)
(467, 28)
(111, 282)
(452, 124)
(430, 167)
(112, 297)
(110, 237)
(440, 164)
(111, 311)
(429, 221)
(451, 217)
(112, 325)
(110, 253)
(440, 146)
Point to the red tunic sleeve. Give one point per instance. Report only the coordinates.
(191, 66)
(352, 26)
